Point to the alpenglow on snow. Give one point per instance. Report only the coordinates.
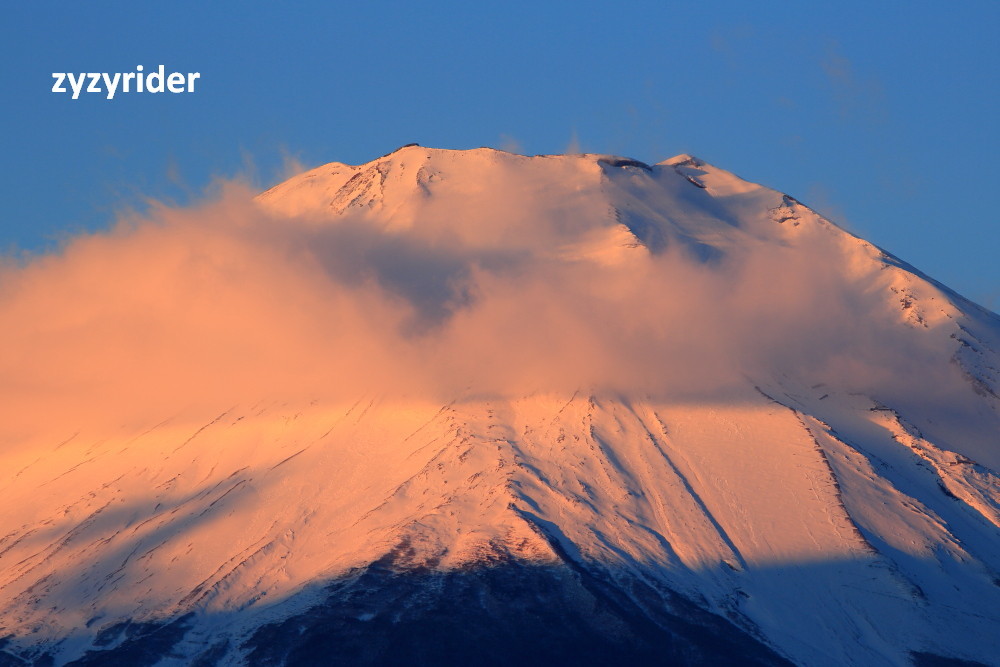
(456, 407)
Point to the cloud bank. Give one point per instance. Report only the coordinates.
(221, 303)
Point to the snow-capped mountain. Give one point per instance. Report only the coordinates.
(554, 409)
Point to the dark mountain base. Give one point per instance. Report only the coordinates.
(501, 615)
(497, 614)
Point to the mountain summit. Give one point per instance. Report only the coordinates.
(470, 406)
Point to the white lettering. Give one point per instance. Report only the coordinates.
(111, 84)
(156, 76)
(175, 82)
(115, 83)
(76, 84)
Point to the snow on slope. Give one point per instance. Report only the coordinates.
(835, 515)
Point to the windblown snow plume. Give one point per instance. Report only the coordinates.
(477, 273)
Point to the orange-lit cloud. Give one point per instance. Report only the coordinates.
(221, 302)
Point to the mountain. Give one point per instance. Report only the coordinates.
(560, 410)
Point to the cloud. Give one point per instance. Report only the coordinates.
(731, 41)
(511, 144)
(856, 97)
(206, 306)
(573, 147)
(291, 163)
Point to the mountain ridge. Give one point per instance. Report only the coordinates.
(597, 406)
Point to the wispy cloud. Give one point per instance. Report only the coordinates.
(510, 144)
(222, 302)
(573, 147)
(857, 97)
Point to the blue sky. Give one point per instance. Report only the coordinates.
(883, 116)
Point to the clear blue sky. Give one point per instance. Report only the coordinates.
(884, 116)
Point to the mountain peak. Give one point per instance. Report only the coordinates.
(448, 404)
(682, 159)
(414, 175)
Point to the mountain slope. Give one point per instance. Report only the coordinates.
(659, 412)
